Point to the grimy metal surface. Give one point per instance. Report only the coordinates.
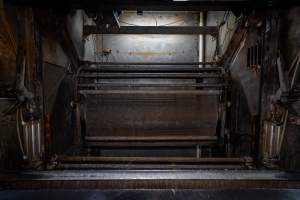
(150, 179)
(174, 194)
(99, 159)
(148, 112)
(168, 161)
(134, 101)
(128, 118)
(147, 47)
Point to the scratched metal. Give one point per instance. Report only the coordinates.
(159, 175)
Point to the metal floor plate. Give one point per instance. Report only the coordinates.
(207, 194)
(151, 179)
(65, 175)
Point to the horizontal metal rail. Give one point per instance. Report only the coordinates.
(148, 141)
(150, 138)
(244, 181)
(149, 75)
(147, 63)
(150, 69)
(145, 92)
(149, 166)
(177, 144)
(95, 159)
(121, 85)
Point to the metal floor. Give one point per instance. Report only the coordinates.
(118, 175)
(207, 194)
(150, 179)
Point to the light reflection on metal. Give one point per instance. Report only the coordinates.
(32, 140)
(271, 143)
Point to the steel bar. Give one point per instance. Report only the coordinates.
(148, 75)
(155, 68)
(146, 92)
(93, 159)
(112, 84)
(196, 64)
(126, 166)
(149, 143)
(254, 175)
(149, 5)
(195, 30)
(149, 138)
(111, 99)
(153, 179)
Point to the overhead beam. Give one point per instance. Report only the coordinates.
(175, 6)
(159, 5)
(188, 30)
(149, 5)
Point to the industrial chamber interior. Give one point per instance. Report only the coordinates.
(151, 97)
(115, 91)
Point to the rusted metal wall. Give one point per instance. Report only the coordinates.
(290, 46)
(245, 92)
(75, 27)
(147, 48)
(58, 85)
(160, 48)
(244, 101)
(149, 115)
(55, 77)
(9, 152)
(226, 21)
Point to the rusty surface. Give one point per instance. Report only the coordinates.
(7, 47)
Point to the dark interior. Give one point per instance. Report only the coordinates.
(100, 94)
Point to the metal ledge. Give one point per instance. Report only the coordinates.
(136, 179)
(62, 175)
(177, 30)
(99, 159)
